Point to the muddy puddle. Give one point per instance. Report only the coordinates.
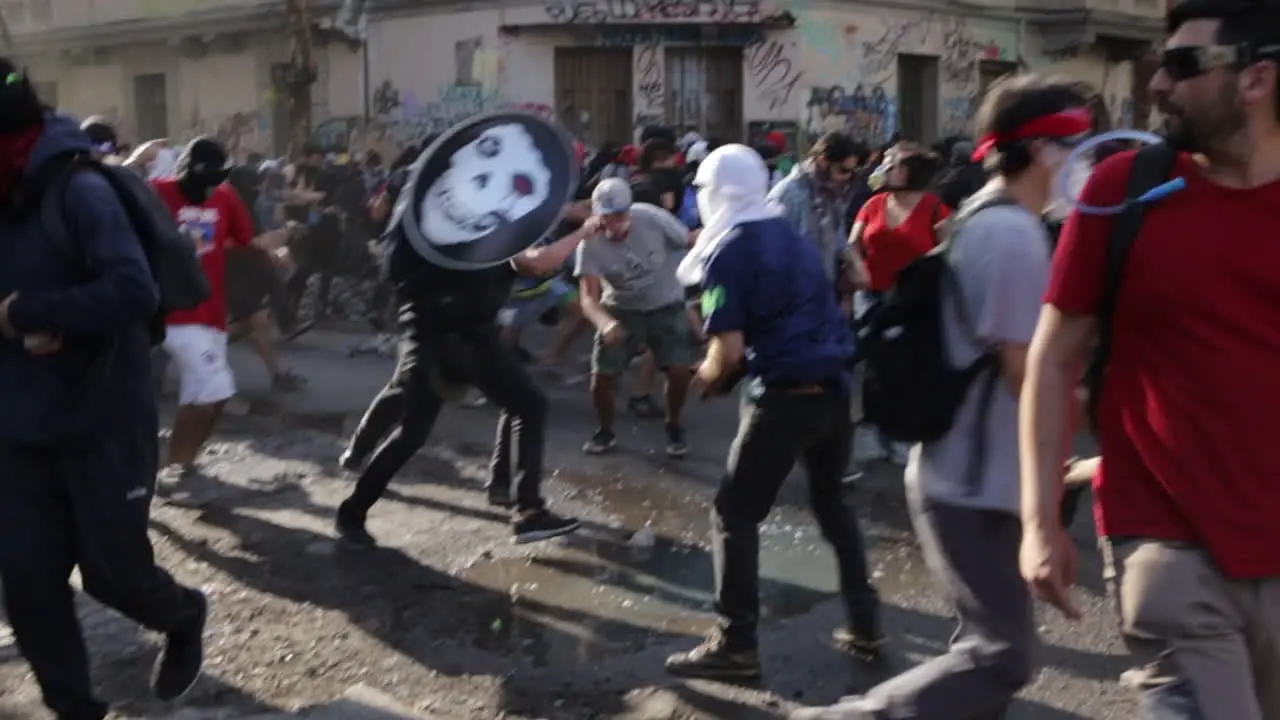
(644, 574)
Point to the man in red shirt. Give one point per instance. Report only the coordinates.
(213, 216)
(1187, 493)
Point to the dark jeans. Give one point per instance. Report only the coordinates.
(410, 400)
(316, 252)
(63, 507)
(774, 431)
(974, 556)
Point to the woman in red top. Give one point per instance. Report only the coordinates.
(895, 227)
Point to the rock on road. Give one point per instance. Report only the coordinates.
(451, 620)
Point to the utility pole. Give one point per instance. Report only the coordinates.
(302, 73)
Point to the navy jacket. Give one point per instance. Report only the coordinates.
(100, 381)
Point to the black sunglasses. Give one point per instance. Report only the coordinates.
(1190, 61)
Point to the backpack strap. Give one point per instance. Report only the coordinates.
(52, 196)
(1152, 166)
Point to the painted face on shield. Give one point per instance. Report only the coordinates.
(498, 177)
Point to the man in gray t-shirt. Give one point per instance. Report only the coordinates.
(1001, 262)
(629, 291)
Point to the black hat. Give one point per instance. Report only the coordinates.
(102, 135)
(20, 107)
(205, 155)
(487, 190)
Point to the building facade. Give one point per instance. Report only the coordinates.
(603, 68)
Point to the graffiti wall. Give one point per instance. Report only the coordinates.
(854, 79)
(236, 113)
(428, 73)
(1113, 81)
(773, 74)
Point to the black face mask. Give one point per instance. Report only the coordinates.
(198, 185)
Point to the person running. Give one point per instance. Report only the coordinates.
(78, 432)
(771, 315)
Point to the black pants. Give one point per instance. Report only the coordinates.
(63, 507)
(773, 432)
(316, 252)
(410, 400)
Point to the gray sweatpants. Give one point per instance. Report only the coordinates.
(974, 556)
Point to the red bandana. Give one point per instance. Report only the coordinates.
(14, 151)
(1068, 123)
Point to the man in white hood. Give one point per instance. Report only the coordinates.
(770, 317)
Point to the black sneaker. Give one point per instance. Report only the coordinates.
(500, 496)
(350, 527)
(542, 525)
(715, 660)
(178, 667)
(602, 442)
(643, 406)
(677, 446)
(866, 646)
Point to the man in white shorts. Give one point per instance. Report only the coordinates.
(215, 219)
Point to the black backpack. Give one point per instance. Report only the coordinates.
(910, 391)
(1152, 166)
(172, 256)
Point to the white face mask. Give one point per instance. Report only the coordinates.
(706, 203)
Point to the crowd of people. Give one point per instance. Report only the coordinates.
(825, 297)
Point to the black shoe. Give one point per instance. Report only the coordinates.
(178, 667)
(677, 446)
(601, 442)
(542, 525)
(500, 497)
(866, 646)
(714, 659)
(350, 527)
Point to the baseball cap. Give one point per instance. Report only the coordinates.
(611, 196)
(102, 135)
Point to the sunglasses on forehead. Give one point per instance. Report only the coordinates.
(1190, 61)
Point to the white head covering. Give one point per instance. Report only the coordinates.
(732, 183)
(164, 165)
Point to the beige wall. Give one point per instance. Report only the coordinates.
(220, 93)
(837, 68)
(31, 16)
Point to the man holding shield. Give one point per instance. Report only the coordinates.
(475, 203)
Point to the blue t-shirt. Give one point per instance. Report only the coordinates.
(768, 283)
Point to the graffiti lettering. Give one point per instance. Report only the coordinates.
(880, 57)
(957, 114)
(386, 99)
(592, 12)
(650, 87)
(960, 53)
(870, 116)
(773, 73)
(728, 36)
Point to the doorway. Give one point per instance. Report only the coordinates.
(918, 98)
(593, 93)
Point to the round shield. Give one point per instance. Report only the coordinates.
(487, 190)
